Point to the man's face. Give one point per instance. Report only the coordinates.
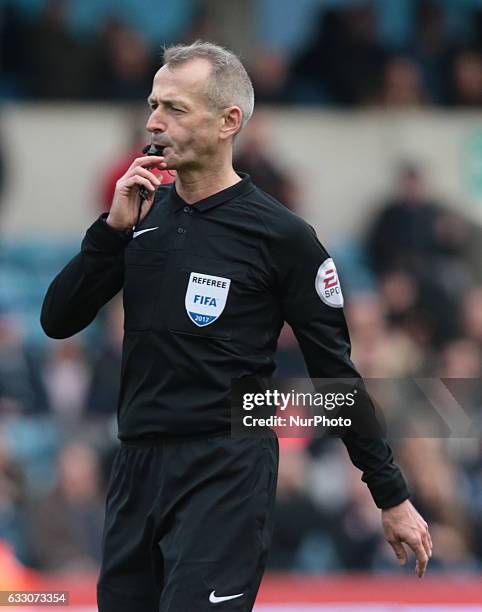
(181, 119)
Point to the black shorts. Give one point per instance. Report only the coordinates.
(188, 525)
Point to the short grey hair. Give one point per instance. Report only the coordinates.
(229, 83)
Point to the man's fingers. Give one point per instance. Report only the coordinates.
(421, 556)
(148, 160)
(400, 551)
(420, 568)
(427, 544)
(139, 181)
(150, 176)
(429, 537)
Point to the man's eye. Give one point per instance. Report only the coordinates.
(177, 110)
(153, 106)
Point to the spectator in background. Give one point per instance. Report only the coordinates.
(255, 158)
(347, 515)
(2, 172)
(233, 24)
(432, 49)
(477, 25)
(123, 63)
(402, 84)
(65, 525)
(459, 365)
(467, 79)
(21, 388)
(345, 62)
(380, 351)
(66, 375)
(270, 73)
(460, 358)
(15, 79)
(436, 491)
(289, 360)
(473, 467)
(471, 315)
(105, 382)
(417, 247)
(402, 234)
(60, 64)
(12, 491)
(356, 532)
(401, 296)
(290, 536)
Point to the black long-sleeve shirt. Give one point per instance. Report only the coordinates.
(207, 288)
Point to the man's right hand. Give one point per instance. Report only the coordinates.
(125, 204)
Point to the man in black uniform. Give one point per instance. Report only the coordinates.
(210, 273)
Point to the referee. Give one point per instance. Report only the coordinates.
(209, 274)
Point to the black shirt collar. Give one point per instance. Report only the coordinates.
(243, 187)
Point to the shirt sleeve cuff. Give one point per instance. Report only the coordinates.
(391, 493)
(105, 238)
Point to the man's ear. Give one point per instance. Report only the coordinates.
(230, 122)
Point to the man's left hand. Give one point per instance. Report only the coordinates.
(403, 524)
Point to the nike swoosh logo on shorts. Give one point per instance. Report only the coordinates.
(213, 599)
(149, 229)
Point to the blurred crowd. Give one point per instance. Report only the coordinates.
(343, 53)
(417, 313)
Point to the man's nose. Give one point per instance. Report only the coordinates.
(155, 123)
